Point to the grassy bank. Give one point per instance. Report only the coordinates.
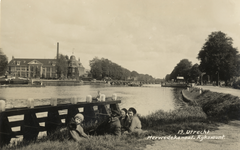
(159, 123)
(218, 106)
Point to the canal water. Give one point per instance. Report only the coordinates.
(146, 99)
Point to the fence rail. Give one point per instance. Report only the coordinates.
(30, 127)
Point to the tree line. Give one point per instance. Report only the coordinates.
(3, 63)
(104, 69)
(218, 59)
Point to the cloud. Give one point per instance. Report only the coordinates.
(150, 37)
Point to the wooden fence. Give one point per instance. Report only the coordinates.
(30, 127)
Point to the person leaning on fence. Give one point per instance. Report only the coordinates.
(75, 128)
(111, 125)
(135, 123)
(124, 120)
(114, 124)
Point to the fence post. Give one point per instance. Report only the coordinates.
(30, 126)
(72, 111)
(89, 113)
(103, 110)
(5, 130)
(53, 121)
(115, 107)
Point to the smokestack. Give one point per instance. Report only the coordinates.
(57, 49)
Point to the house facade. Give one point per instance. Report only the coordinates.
(75, 67)
(43, 68)
(32, 68)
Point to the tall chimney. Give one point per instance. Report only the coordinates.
(57, 49)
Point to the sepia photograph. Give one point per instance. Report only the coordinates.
(119, 74)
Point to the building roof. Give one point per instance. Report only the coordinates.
(26, 61)
(180, 78)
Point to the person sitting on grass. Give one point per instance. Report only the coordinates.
(75, 128)
(124, 120)
(135, 123)
(111, 125)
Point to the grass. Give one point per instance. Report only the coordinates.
(59, 141)
(197, 117)
(218, 106)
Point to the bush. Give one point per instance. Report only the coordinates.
(236, 84)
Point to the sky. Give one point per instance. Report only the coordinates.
(147, 36)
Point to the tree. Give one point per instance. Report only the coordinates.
(218, 57)
(167, 77)
(101, 68)
(195, 72)
(62, 66)
(3, 63)
(134, 74)
(96, 68)
(182, 69)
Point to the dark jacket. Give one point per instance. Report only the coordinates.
(125, 123)
(76, 131)
(111, 125)
(114, 126)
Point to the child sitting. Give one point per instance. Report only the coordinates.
(75, 128)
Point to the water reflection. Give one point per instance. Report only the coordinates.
(145, 99)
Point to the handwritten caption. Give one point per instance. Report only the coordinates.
(189, 135)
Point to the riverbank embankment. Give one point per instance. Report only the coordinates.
(222, 110)
(220, 106)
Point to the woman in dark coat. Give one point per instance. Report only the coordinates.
(124, 120)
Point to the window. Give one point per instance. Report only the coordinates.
(18, 68)
(24, 61)
(23, 74)
(53, 69)
(47, 75)
(35, 61)
(23, 68)
(48, 69)
(53, 75)
(18, 62)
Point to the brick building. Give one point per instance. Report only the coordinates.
(21, 67)
(43, 68)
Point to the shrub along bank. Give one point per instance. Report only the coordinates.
(218, 106)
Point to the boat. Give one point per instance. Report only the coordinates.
(175, 85)
(21, 85)
(13, 81)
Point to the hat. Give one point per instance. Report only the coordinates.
(80, 116)
(124, 109)
(132, 110)
(115, 113)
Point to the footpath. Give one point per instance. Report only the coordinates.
(231, 132)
